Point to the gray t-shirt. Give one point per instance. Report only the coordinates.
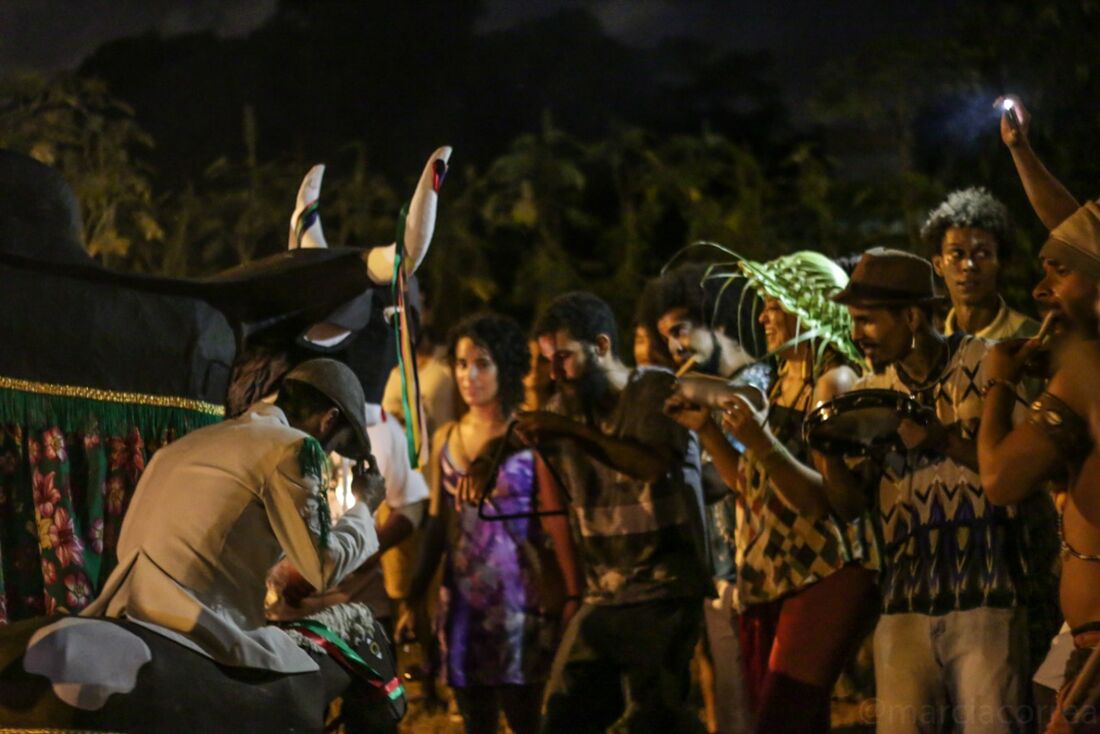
(640, 541)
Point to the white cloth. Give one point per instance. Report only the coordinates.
(70, 652)
(212, 513)
(731, 701)
(406, 492)
(404, 485)
(1052, 673)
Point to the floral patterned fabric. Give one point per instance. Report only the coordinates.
(493, 629)
(65, 484)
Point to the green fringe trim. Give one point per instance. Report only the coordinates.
(313, 462)
(87, 415)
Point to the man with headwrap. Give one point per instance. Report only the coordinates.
(1055, 443)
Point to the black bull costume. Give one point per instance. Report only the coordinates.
(98, 369)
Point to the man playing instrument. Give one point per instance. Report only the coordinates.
(699, 323)
(1055, 443)
(632, 476)
(951, 642)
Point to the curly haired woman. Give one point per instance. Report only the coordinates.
(498, 625)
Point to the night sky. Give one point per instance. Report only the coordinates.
(50, 35)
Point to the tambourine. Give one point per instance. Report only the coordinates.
(855, 423)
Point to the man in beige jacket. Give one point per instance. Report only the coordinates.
(216, 509)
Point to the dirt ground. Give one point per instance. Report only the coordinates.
(427, 715)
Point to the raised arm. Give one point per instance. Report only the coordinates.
(633, 458)
(698, 418)
(800, 486)
(1051, 200)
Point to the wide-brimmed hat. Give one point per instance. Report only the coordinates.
(804, 283)
(338, 383)
(1075, 242)
(886, 277)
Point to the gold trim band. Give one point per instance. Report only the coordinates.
(6, 730)
(111, 396)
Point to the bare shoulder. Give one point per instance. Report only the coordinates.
(1070, 382)
(835, 381)
(441, 433)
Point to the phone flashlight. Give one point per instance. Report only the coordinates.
(1009, 107)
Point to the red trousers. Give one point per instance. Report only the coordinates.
(795, 648)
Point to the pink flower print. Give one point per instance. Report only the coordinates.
(33, 451)
(117, 453)
(96, 535)
(77, 592)
(54, 444)
(116, 493)
(137, 455)
(49, 572)
(63, 538)
(45, 493)
(91, 441)
(51, 604)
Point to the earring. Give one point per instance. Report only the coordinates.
(913, 343)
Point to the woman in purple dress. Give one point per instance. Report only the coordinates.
(501, 602)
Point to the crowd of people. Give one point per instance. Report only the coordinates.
(601, 525)
(581, 530)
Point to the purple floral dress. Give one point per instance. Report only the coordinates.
(492, 628)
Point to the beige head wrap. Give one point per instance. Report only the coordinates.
(1076, 242)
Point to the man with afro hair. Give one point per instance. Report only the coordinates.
(969, 236)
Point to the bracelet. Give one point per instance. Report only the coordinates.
(993, 382)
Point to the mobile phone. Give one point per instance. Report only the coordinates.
(1010, 112)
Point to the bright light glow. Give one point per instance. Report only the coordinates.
(340, 498)
(1007, 105)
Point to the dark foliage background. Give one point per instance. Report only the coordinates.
(580, 161)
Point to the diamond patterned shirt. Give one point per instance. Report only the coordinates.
(945, 547)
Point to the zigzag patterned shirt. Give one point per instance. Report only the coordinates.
(945, 547)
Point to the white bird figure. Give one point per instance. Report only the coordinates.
(306, 232)
(305, 222)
